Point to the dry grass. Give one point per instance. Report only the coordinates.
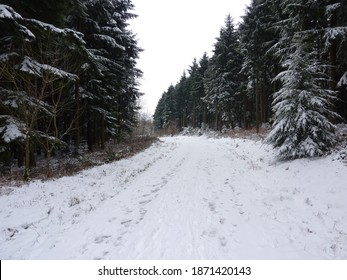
(69, 165)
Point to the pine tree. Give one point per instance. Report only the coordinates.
(335, 39)
(109, 90)
(166, 111)
(258, 35)
(302, 119)
(222, 77)
(181, 105)
(197, 91)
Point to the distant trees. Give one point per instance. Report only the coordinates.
(222, 87)
(209, 96)
(67, 75)
(286, 64)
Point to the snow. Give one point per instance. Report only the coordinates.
(109, 41)
(331, 8)
(51, 28)
(7, 56)
(334, 32)
(183, 198)
(12, 132)
(343, 80)
(6, 12)
(12, 129)
(33, 67)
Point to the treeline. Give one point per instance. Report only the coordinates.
(68, 76)
(286, 64)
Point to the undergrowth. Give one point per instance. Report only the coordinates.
(67, 165)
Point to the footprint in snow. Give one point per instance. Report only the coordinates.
(212, 207)
(144, 202)
(155, 190)
(126, 223)
(104, 254)
(142, 214)
(223, 241)
(101, 238)
(112, 219)
(212, 233)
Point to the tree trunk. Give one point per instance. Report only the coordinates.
(20, 155)
(90, 135)
(216, 119)
(48, 163)
(102, 132)
(204, 118)
(26, 175)
(77, 118)
(194, 116)
(257, 113)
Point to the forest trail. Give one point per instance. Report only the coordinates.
(184, 198)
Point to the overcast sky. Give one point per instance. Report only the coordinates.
(173, 33)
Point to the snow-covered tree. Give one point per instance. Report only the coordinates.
(109, 91)
(335, 39)
(257, 35)
(302, 107)
(302, 120)
(197, 91)
(166, 110)
(222, 78)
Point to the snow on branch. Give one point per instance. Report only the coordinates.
(7, 12)
(11, 129)
(109, 40)
(343, 80)
(7, 56)
(330, 9)
(54, 29)
(17, 99)
(33, 67)
(335, 32)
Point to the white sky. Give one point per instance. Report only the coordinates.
(173, 33)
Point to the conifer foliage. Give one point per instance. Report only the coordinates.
(68, 76)
(302, 107)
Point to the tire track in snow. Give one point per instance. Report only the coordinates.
(184, 209)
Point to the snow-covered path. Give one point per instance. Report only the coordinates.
(184, 198)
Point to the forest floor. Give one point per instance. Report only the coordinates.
(186, 197)
(64, 163)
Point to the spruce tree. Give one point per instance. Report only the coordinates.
(258, 35)
(222, 77)
(302, 107)
(109, 85)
